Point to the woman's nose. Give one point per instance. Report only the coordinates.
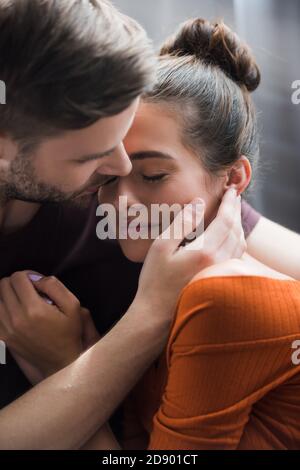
(125, 192)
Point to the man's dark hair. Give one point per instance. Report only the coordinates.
(68, 63)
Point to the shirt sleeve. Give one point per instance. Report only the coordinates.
(223, 356)
(250, 218)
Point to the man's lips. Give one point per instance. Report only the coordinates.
(92, 190)
(89, 191)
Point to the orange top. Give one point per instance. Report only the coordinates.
(229, 377)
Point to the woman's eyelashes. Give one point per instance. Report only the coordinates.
(146, 178)
(154, 178)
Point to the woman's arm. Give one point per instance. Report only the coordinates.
(275, 246)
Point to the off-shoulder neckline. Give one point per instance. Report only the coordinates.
(242, 277)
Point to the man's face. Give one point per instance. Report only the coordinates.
(71, 167)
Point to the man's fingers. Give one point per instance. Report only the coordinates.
(234, 244)
(221, 240)
(185, 223)
(241, 247)
(58, 293)
(217, 232)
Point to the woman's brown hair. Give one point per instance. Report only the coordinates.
(206, 74)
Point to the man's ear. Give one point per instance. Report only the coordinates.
(239, 175)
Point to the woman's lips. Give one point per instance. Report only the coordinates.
(139, 228)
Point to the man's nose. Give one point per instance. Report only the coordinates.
(117, 164)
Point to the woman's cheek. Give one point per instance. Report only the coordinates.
(135, 250)
(165, 193)
(106, 195)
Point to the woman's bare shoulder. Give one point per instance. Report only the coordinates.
(249, 305)
(246, 266)
(232, 267)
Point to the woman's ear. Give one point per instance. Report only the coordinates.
(239, 175)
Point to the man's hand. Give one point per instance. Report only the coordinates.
(103, 376)
(169, 267)
(43, 338)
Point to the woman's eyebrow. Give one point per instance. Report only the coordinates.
(149, 154)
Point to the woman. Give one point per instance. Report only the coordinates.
(226, 379)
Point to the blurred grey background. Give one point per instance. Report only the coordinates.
(272, 29)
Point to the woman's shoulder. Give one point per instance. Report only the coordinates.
(247, 266)
(226, 303)
(232, 267)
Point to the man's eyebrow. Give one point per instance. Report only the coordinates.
(149, 154)
(95, 156)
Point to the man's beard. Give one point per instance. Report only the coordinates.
(21, 183)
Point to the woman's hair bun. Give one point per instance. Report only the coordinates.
(215, 44)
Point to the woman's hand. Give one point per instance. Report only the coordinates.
(169, 266)
(43, 338)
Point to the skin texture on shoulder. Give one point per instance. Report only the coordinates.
(245, 266)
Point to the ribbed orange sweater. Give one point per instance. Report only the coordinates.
(226, 379)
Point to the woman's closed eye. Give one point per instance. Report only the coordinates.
(155, 178)
(147, 178)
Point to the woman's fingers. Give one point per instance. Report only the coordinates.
(240, 235)
(29, 286)
(59, 294)
(6, 293)
(9, 300)
(24, 290)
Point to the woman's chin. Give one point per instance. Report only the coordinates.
(135, 250)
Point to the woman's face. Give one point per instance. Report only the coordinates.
(164, 171)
